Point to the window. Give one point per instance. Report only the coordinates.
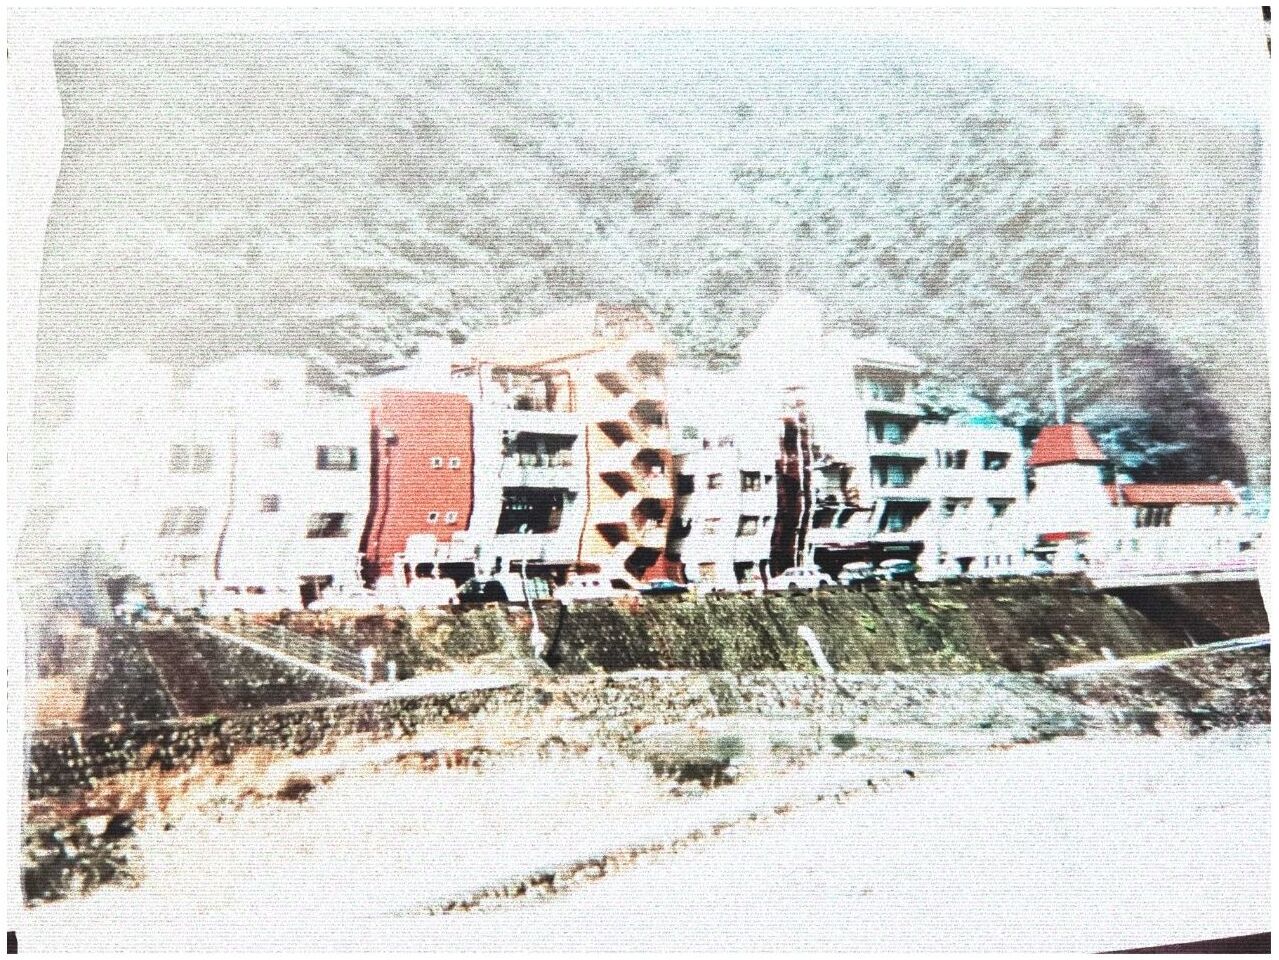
(955, 506)
(952, 459)
(450, 517)
(532, 510)
(898, 517)
(714, 481)
(999, 507)
(768, 478)
(684, 484)
(887, 390)
(888, 431)
(272, 439)
(748, 526)
(994, 460)
(190, 459)
(767, 521)
(892, 475)
(710, 526)
(433, 517)
(324, 526)
(688, 433)
(751, 481)
(169, 522)
(335, 458)
(192, 521)
(182, 521)
(455, 463)
(823, 518)
(270, 503)
(1153, 517)
(437, 462)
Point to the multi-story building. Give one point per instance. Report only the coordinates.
(530, 471)
(849, 438)
(298, 477)
(863, 476)
(422, 482)
(109, 463)
(725, 484)
(976, 478)
(613, 365)
(1080, 518)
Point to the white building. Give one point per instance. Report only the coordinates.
(884, 483)
(298, 477)
(977, 520)
(725, 481)
(1079, 520)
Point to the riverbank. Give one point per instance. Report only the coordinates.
(510, 823)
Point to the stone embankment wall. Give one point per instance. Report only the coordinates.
(1198, 692)
(1014, 624)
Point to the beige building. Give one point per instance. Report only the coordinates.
(614, 364)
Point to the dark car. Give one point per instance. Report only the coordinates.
(662, 588)
(482, 590)
(896, 570)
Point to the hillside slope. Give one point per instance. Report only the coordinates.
(346, 196)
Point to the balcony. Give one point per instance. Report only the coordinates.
(903, 450)
(541, 421)
(651, 536)
(619, 459)
(901, 407)
(654, 485)
(515, 474)
(615, 410)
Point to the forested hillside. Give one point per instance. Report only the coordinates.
(343, 198)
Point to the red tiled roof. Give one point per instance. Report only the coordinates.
(1063, 536)
(1163, 494)
(1064, 443)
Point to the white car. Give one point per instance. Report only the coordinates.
(593, 586)
(227, 600)
(337, 598)
(428, 593)
(800, 578)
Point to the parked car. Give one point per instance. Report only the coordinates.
(426, 593)
(593, 586)
(856, 572)
(337, 598)
(1039, 568)
(897, 570)
(503, 588)
(227, 600)
(752, 584)
(800, 578)
(662, 588)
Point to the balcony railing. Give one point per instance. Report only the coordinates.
(545, 474)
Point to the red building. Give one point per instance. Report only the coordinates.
(422, 473)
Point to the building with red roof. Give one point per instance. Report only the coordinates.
(1079, 517)
(1064, 443)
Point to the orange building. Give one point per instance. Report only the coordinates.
(616, 364)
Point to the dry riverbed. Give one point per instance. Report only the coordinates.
(912, 825)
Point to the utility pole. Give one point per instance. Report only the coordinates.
(536, 637)
(1059, 399)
